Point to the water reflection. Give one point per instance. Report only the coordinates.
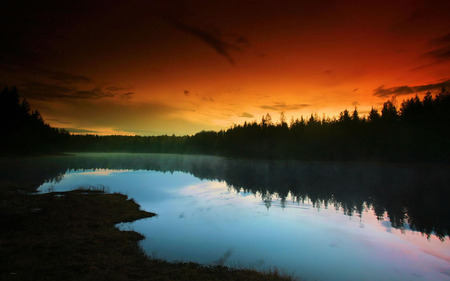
(209, 222)
(412, 196)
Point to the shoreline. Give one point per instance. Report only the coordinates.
(72, 236)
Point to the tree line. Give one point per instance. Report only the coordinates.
(23, 130)
(417, 131)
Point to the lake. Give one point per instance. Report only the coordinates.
(315, 220)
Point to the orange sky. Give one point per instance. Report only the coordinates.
(164, 67)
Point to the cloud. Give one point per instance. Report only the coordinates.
(186, 92)
(355, 103)
(115, 88)
(126, 95)
(212, 39)
(46, 84)
(439, 53)
(241, 40)
(208, 99)
(441, 47)
(58, 76)
(405, 90)
(246, 115)
(51, 92)
(442, 40)
(281, 106)
(95, 93)
(58, 121)
(43, 91)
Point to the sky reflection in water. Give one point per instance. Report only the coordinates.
(208, 222)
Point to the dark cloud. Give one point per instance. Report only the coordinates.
(60, 76)
(443, 40)
(95, 93)
(57, 120)
(405, 90)
(208, 99)
(440, 52)
(51, 92)
(213, 39)
(44, 91)
(383, 92)
(57, 75)
(50, 84)
(246, 115)
(423, 66)
(281, 106)
(241, 40)
(356, 89)
(115, 88)
(419, 15)
(186, 92)
(126, 95)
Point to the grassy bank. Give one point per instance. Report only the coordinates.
(71, 236)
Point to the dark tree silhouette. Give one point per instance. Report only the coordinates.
(418, 131)
(23, 130)
(389, 112)
(374, 116)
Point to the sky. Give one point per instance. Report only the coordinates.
(180, 67)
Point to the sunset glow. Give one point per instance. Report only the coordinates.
(152, 68)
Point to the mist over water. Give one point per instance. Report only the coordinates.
(325, 221)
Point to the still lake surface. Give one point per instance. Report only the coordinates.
(318, 221)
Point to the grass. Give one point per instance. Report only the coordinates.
(71, 236)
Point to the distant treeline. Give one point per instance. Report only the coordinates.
(418, 131)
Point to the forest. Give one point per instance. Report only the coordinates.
(417, 131)
(23, 130)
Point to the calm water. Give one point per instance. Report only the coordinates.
(319, 221)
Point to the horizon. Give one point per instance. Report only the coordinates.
(179, 68)
(275, 121)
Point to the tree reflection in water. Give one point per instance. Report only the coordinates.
(413, 194)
